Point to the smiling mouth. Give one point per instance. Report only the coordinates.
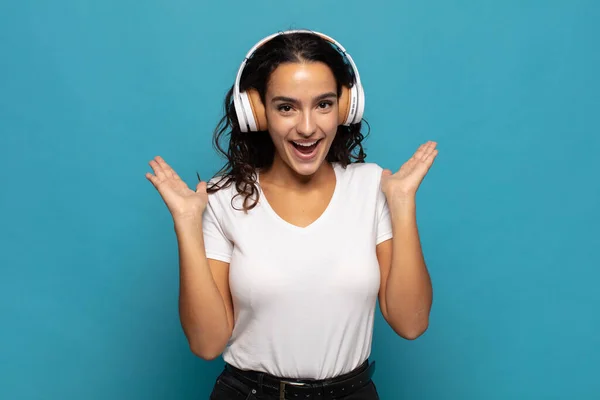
(306, 147)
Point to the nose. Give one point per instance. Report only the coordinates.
(306, 125)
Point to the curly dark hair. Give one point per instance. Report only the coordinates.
(248, 152)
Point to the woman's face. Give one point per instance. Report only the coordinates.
(301, 106)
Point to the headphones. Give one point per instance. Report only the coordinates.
(250, 110)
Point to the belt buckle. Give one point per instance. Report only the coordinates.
(282, 387)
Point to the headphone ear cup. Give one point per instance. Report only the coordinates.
(360, 98)
(240, 113)
(247, 111)
(258, 109)
(343, 106)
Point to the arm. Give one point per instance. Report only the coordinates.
(205, 306)
(406, 293)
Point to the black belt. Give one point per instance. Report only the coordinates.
(304, 388)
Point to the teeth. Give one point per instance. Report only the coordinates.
(306, 144)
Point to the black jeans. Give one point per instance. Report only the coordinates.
(229, 387)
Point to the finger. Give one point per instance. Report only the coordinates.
(429, 159)
(201, 187)
(428, 148)
(431, 147)
(168, 171)
(158, 170)
(420, 152)
(175, 176)
(153, 179)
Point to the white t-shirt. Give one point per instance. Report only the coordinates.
(304, 298)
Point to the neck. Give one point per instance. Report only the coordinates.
(280, 174)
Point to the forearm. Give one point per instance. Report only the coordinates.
(409, 291)
(201, 307)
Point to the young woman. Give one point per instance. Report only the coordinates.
(285, 252)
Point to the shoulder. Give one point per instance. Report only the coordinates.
(361, 181)
(361, 173)
(222, 192)
(224, 195)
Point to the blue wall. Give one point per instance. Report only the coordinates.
(90, 91)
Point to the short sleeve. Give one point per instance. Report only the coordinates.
(383, 218)
(216, 243)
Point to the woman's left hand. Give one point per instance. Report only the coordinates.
(406, 181)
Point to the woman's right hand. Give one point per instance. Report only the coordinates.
(181, 201)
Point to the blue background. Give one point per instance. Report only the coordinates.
(91, 91)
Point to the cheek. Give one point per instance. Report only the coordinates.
(279, 123)
(329, 124)
(279, 129)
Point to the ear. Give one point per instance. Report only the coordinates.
(258, 109)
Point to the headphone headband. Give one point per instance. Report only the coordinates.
(243, 104)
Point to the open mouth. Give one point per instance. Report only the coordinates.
(306, 149)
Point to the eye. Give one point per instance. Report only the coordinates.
(325, 104)
(285, 108)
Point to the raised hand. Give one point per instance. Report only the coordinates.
(181, 201)
(406, 181)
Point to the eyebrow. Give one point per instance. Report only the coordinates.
(292, 100)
